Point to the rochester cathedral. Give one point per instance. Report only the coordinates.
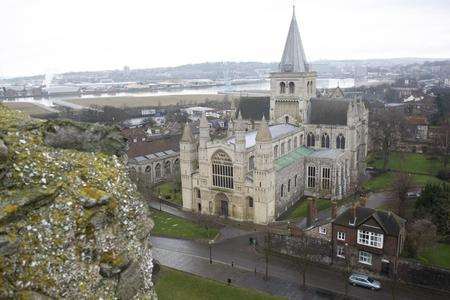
(308, 146)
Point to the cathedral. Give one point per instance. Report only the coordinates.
(304, 145)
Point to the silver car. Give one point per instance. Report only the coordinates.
(364, 281)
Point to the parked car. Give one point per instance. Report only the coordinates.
(413, 194)
(364, 281)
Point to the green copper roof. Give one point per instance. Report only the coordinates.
(292, 157)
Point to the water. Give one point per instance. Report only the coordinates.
(259, 86)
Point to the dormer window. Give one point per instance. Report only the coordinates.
(352, 222)
(322, 230)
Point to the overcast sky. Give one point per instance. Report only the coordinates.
(52, 36)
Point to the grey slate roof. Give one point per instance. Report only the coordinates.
(328, 111)
(276, 131)
(294, 58)
(390, 222)
(254, 108)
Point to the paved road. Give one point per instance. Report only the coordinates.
(284, 277)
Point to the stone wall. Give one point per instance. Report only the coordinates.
(415, 273)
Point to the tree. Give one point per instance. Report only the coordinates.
(421, 234)
(386, 130)
(350, 259)
(400, 187)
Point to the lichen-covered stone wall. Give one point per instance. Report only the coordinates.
(71, 222)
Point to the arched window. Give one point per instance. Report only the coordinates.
(311, 176)
(282, 190)
(289, 185)
(295, 143)
(310, 140)
(291, 87)
(301, 139)
(176, 164)
(251, 163)
(275, 151)
(158, 170)
(286, 119)
(340, 141)
(282, 148)
(282, 88)
(148, 169)
(250, 201)
(289, 145)
(167, 170)
(325, 141)
(222, 170)
(198, 194)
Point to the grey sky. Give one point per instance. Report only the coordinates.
(41, 36)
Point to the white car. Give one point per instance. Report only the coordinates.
(364, 281)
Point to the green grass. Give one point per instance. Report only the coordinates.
(408, 162)
(174, 285)
(438, 255)
(167, 191)
(172, 226)
(384, 181)
(301, 208)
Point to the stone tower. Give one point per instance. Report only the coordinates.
(294, 83)
(264, 176)
(203, 140)
(188, 164)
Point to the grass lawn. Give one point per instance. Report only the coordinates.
(174, 285)
(384, 181)
(172, 226)
(438, 255)
(301, 208)
(408, 162)
(167, 191)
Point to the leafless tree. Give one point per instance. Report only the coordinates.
(400, 187)
(420, 235)
(386, 129)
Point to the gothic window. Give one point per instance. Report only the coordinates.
(326, 179)
(289, 185)
(222, 170)
(167, 169)
(289, 145)
(282, 148)
(250, 202)
(325, 142)
(295, 142)
(275, 151)
(291, 87)
(310, 140)
(148, 169)
(340, 141)
(311, 176)
(158, 170)
(282, 88)
(282, 190)
(176, 164)
(251, 163)
(301, 139)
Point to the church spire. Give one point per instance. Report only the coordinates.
(263, 134)
(294, 58)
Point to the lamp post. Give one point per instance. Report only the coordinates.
(210, 243)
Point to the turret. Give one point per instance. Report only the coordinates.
(239, 132)
(204, 131)
(188, 164)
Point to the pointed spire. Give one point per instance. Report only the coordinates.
(187, 137)
(263, 134)
(239, 115)
(240, 125)
(294, 58)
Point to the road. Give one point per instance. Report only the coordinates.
(284, 276)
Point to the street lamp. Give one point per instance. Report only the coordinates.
(210, 243)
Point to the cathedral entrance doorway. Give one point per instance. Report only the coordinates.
(221, 201)
(224, 208)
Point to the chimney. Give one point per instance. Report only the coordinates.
(312, 212)
(333, 209)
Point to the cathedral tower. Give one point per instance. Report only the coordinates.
(294, 83)
(188, 164)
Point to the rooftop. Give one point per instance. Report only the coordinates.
(292, 157)
(276, 131)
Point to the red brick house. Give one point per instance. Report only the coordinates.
(368, 239)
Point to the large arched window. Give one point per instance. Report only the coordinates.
(340, 141)
(222, 170)
(282, 88)
(251, 163)
(291, 87)
(310, 140)
(158, 170)
(325, 141)
(275, 151)
(167, 169)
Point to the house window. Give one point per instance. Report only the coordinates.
(365, 258)
(222, 170)
(295, 142)
(326, 178)
(310, 140)
(340, 251)
(282, 148)
(311, 176)
(282, 190)
(291, 88)
(275, 151)
(341, 236)
(322, 230)
(282, 88)
(340, 141)
(371, 239)
(325, 141)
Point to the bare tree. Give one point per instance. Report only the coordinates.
(421, 234)
(400, 187)
(386, 129)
